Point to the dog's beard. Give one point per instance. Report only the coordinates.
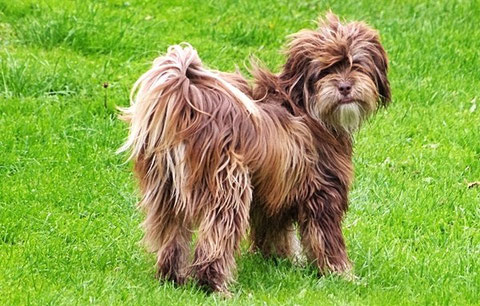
(329, 108)
(349, 116)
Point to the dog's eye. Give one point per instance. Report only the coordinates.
(357, 66)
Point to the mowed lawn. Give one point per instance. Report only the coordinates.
(69, 229)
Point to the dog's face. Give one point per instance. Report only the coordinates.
(344, 72)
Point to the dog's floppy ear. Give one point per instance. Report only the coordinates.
(367, 38)
(381, 69)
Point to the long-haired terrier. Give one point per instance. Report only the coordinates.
(216, 154)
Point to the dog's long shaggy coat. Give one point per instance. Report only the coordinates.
(213, 153)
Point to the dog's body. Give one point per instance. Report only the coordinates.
(213, 153)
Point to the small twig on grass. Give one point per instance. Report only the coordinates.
(473, 184)
(105, 85)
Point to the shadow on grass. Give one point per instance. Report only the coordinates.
(265, 274)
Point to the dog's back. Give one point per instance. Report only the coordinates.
(190, 127)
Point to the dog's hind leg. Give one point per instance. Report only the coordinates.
(168, 234)
(274, 236)
(173, 253)
(223, 223)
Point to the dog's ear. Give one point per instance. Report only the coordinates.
(368, 39)
(380, 60)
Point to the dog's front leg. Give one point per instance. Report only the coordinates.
(320, 219)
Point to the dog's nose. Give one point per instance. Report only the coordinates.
(345, 87)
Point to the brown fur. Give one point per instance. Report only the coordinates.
(209, 157)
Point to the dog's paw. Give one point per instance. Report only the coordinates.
(347, 274)
(224, 294)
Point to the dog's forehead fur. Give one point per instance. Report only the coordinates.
(334, 42)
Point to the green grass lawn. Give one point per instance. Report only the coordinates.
(69, 230)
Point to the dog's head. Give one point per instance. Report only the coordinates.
(338, 72)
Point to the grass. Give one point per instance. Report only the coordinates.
(68, 225)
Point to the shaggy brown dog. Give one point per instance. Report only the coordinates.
(213, 153)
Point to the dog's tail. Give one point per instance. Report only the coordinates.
(169, 102)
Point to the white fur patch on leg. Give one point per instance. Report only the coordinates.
(298, 257)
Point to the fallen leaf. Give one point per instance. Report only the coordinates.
(431, 145)
(473, 184)
(474, 105)
(428, 180)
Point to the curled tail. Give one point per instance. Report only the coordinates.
(169, 102)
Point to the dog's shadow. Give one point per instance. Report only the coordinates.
(257, 273)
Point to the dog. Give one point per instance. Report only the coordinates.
(217, 154)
